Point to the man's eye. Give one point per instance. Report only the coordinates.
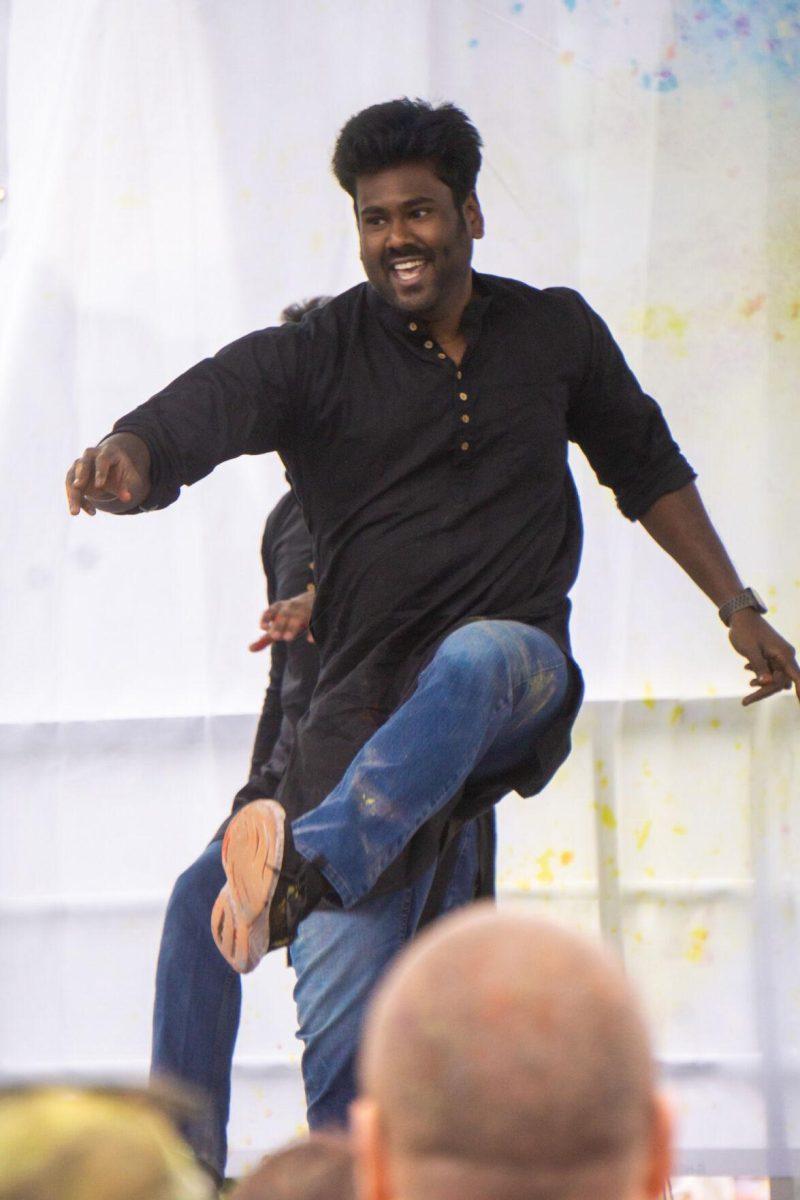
(373, 221)
(420, 212)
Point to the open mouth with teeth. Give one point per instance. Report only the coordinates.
(408, 271)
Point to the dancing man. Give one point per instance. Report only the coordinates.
(423, 418)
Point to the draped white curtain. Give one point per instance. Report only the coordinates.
(166, 188)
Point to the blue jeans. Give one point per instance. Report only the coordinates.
(337, 956)
(489, 690)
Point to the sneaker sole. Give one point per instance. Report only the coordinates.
(252, 853)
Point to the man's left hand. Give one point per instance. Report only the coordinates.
(769, 656)
(285, 619)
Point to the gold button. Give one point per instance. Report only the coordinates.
(429, 344)
(465, 418)
(463, 396)
(441, 355)
(458, 374)
(465, 445)
(413, 326)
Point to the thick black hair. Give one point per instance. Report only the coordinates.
(294, 313)
(400, 131)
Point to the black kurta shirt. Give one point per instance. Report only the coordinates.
(287, 558)
(434, 494)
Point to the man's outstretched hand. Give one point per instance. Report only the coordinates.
(769, 656)
(113, 477)
(284, 620)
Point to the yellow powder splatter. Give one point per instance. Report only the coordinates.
(642, 834)
(677, 714)
(649, 872)
(545, 872)
(752, 304)
(603, 781)
(566, 57)
(715, 722)
(679, 829)
(648, 700)
(638, 936)
(607, 817)
(647, 770)
(697, 944)
(659, 322)
(566, 857)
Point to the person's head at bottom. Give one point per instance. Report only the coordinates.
(320, 1168)
(62, 1143)
(505, 1058)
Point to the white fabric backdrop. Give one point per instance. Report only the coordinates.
(167, 190)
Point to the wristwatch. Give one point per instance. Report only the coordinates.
(749, 598)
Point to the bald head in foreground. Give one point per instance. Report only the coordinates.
(506, 1058)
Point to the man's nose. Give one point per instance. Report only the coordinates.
(397, 234)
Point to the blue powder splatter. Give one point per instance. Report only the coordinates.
(517, 8)
(723, 36)
(570, 5)
(472, 43)
(660, 81)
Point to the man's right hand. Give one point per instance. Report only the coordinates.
(114, 476)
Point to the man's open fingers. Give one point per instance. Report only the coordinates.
(261, 644)
(761, 693)
(787, 665)
(101, 469)
(75, 483)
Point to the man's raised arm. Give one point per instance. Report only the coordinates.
(241, 401)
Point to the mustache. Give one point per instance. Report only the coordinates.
(407, 252)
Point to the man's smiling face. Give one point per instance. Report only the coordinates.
(416, 245)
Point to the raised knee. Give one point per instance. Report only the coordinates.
(473, 652)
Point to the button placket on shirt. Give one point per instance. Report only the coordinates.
(463, 397)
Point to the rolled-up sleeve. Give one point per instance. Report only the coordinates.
(244, 400)
(621, 430)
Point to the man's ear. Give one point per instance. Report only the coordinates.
(473, 216)
(369, 1151)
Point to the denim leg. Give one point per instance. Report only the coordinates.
(491, 687)
(197, 1005)
(338, 956)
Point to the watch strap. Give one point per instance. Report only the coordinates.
(747, 598)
